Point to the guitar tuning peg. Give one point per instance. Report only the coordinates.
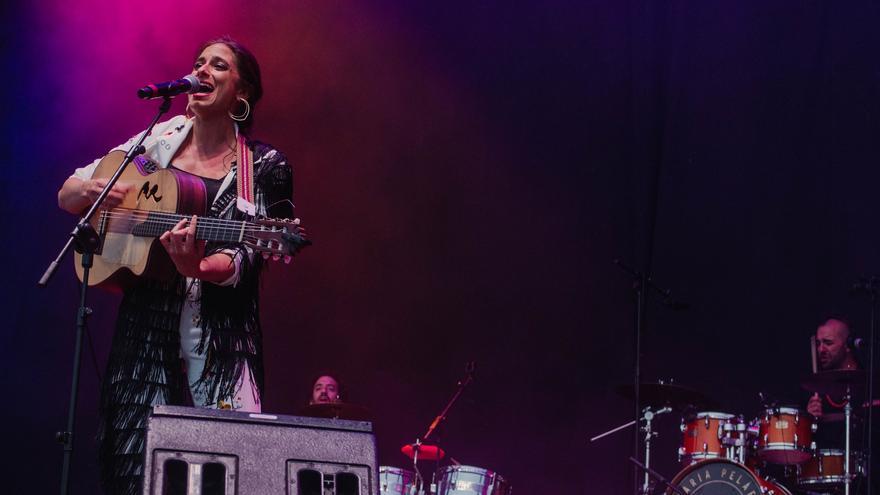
(295, 221)
(287, 259)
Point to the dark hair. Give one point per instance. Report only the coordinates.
(248, 72)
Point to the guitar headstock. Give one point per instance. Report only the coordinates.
(278, 238)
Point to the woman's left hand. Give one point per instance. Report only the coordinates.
(186, 252)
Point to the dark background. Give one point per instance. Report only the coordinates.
(468, 172)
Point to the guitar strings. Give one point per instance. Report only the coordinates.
(164, 218)
(157, 222)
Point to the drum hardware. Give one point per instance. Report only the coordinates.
(642, 286)
(837, 382)
(647, 417)
(658, 477)
(847, 413)
(738, 438)
(419, 450)
(870, 286)
(395, 481)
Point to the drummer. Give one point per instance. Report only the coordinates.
(326, 390)
(834, 351)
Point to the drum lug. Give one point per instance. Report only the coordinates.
(682, 427)
(814, 427)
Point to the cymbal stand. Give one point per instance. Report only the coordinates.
(462, 384)
(647, 417)
(642, 283)
(647, 486)
(418, 486)
(869, 285)
(847, 414)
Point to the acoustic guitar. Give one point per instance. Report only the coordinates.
(129, 246)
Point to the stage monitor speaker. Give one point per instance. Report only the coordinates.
(196, 451)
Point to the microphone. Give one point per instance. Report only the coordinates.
(189, 84)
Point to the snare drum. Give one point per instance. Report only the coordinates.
(702, 437)
(470, 480)
(395, 481)
(825, 470)
(785, 436)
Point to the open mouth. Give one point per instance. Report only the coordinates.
(207, 89)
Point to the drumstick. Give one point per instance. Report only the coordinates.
(813, 351)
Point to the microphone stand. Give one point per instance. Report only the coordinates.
(86, 241)
(871, 286)
(462, 384)
(642, 283)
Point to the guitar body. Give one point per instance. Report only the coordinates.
(122, 256)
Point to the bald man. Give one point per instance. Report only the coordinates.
(834, 353)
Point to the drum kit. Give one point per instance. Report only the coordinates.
(454, 479)
(451, 480)
(723, 453)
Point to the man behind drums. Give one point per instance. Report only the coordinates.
(834, 351)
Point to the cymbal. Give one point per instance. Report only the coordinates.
(667, 394)
(426, 452)
(834, 381)
(834, 417)
(336, 410)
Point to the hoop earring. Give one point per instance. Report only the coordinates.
(247, 111)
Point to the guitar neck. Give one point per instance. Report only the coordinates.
(142, 223)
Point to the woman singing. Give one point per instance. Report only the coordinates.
(195, 339)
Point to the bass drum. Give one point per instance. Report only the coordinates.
(724, 477)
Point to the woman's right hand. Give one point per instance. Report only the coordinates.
(93, 187)
(76, 194)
